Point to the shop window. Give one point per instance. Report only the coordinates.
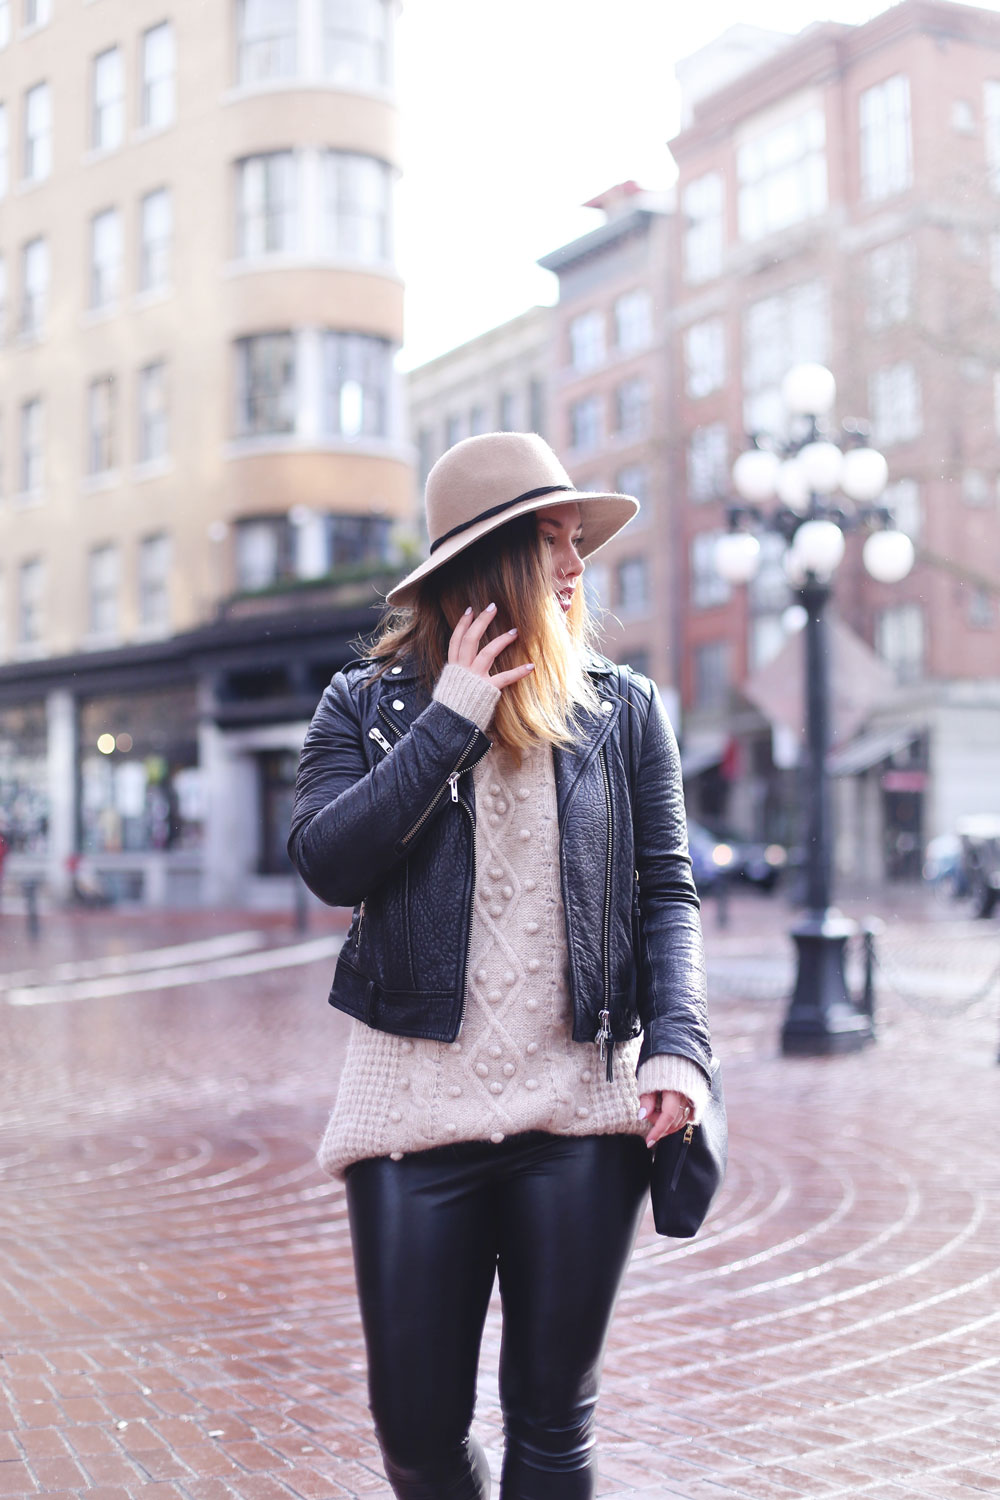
(24, 787)
(140, 783)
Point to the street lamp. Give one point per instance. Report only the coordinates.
(810, 489)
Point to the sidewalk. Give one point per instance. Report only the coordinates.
(177, 1317)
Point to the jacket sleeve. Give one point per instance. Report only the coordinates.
(351, 824)
(672, 991)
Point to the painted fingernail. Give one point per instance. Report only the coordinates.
(491, 606)
(531, 666)
(512, 632)
(469, 610)
(643, 1112)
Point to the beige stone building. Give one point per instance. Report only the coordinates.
(496, 382)
(200, 423)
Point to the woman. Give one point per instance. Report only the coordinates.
(472, 790)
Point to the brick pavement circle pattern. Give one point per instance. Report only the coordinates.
(177, 1316)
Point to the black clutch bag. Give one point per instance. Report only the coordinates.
(689, 1167)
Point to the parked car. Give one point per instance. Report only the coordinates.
(716, 856)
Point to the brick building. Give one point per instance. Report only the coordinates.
(608, 398)
(838, 201)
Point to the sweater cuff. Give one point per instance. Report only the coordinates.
(467, 694)
(666, 1070)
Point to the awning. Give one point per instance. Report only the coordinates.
(702, 752)
(869, 749)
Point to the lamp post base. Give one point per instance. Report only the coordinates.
(822, 1018)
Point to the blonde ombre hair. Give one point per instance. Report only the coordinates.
(507, 567)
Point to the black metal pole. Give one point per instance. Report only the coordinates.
(822, 1017)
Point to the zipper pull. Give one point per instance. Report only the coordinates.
(380, 740)
(361, 918)
(686, 1140)
(453, 783)
(604, 1040)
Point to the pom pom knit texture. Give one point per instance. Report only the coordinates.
(514, 1066)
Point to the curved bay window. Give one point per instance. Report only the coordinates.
(356, 43)
(140, 783)
(357, 207)
(357, 373)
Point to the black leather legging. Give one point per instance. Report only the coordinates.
(556, 1218)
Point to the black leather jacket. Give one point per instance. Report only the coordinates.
(384, 821)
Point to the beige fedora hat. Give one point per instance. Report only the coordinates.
(485, 481)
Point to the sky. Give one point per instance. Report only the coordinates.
(514, 114)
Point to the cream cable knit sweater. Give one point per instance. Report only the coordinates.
(514, 1066)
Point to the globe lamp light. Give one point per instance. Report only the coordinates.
(888, 556)
(865, 474)
(809, 390)
(754, 475)
(737, 555)
(822, 465)
(819, 547)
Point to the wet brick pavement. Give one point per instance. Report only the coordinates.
(177, 1319)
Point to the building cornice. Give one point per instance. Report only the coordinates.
(824, 51)
(636, 221)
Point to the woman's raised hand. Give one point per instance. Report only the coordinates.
(464, 648)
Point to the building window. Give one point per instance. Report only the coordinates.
(902, 499)
(155, 237)
(356, 42)
(705, 357)
(991, 130)
(708, 587)
(792, 327)
(37, 133)
(266, 40)
(37, 13)
(507, 412)
(34, 287)
(704, 227)
(477, 419)
(711, 675)
(425, 454)
(153, 438)
(536, 406)
(585, 425)
(107, 120)
(154, 582)
(634, 480)
(890, 277)
(266, 385)
(633, 585)
(782, 176)
(357, 376)
(885, 139)
(357, 207)
(356, 541)
(586, 341)
(981, 614)
(632, 408)
(263, 552)
(31, 474)
(633, 321)
(899, 640)
(102, 592)
(597, 586)
(30, 601)
(101, 402)
(4, 152)
(454, 430)
(266, 204)
(159, 67)
(976, 489)
(894, 404)
(708, 462)
(105, 257)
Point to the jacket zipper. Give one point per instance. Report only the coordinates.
(451, 783)
(380, 740)
(604, 1039)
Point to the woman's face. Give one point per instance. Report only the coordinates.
(560, 530)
